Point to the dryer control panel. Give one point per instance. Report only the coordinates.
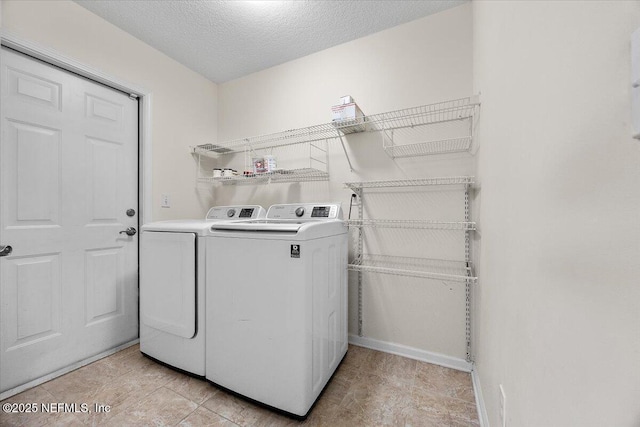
(319, 211)
(222, 213)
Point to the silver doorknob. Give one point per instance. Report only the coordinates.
(129, 231)
(5, 250)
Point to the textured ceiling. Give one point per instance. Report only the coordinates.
(224, 40)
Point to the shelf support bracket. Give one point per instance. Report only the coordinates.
(388, 148)
(345, 151)
(358, 192)
(467, 257)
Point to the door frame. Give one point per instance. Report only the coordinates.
(145, 98)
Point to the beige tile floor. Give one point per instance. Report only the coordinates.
(369, 389)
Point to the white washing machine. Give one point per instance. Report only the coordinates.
(172, 287)
(277, 304)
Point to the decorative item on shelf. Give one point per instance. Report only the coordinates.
(258, 165)
(217, 173)
(226, 173)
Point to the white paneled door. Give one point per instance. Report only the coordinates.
(68, 175)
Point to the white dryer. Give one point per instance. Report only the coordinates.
(172, 287)
(277, 304)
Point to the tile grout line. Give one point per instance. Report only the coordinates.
(188, 415)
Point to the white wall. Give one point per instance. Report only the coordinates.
(421, 62)
(184, 109)
(558, 307)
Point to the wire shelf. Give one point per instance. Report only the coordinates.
(289, 175)
(405, 133)
(457, 109)
(412, 224)
(453, 145)
(452, 271)
(350, 126)
(450, 180)
(209, 150)
(278, 139)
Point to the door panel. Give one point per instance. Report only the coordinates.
(103, 284)
(68, 173)
(32, 191)
(35, 297)
(104, 111)
(34, 89)
(103, 164)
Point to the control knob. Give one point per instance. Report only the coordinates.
(300, 211)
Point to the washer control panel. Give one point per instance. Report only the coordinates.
(306, 211)
(236, 212)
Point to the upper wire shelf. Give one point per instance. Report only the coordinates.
(457, 109)
(408, 118)
(406, 134)
(278, 139)
(412, 224)
(454, 271)
(449, 180)
(424, 148)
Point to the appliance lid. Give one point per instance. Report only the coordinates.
(215, 214)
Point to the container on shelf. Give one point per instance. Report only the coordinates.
(270, 163)
(346, 114)
(347, 99)
(258, 165)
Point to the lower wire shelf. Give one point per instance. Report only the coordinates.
(452, 271)
(413, 224)
(288, 175)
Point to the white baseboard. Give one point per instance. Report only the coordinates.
(482, 410)
(65, 370)
(412, 353)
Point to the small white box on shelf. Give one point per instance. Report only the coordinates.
(346, 112)
(347, 99)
